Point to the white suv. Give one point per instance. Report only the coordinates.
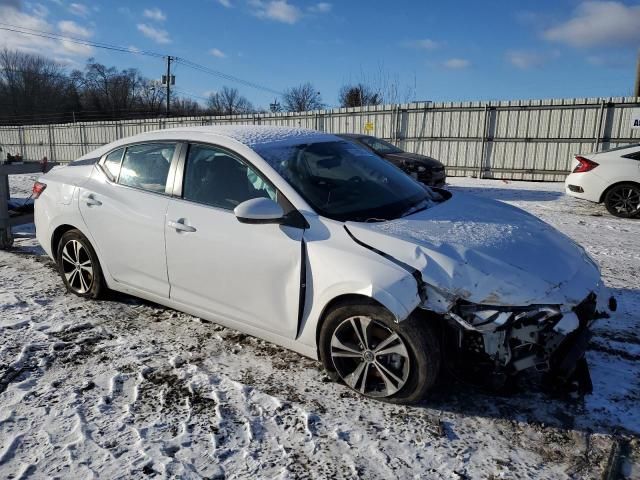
(612, 177)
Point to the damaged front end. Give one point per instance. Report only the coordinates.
(551, 339)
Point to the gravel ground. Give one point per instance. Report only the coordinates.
(122, 388)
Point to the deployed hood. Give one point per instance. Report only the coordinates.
(487, 252)
(413, 157)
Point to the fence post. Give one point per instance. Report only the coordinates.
(599, 126)
(21, 140)
(484, 140)
(83, 139)
(52, 148)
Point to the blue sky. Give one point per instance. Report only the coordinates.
(464, 50)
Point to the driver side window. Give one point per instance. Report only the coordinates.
(216, 178)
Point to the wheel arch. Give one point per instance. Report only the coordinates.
(57, 234)
(606, 190)
(63, 228)
(342, 301)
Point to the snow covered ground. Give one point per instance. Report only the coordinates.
(126, 389)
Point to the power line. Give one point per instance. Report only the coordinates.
(225, 76)
(107, 46)
(189, 94)
(79, 41)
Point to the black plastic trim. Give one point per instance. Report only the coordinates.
(303, 285)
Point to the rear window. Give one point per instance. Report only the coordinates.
(112, 164)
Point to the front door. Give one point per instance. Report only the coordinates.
(246, 273)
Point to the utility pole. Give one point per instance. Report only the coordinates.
(636, 89)
(168, 79)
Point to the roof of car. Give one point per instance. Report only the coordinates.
(351, 135)
(253, 135)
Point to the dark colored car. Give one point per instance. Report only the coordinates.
(425, 169)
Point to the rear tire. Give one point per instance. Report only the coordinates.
(79, 267)
(623, 200)
(363, 345)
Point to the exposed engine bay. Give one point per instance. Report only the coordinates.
(547, 339)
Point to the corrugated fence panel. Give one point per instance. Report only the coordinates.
(523, 139)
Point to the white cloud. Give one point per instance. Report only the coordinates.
(40, 10)
(68, 27)
(126, 11)
(321, 7)
(79, 9)
(611, 60)
(456, 63)
(155, 14)
(156, 34)
(599, 23)
(526, 59)
(38, 45)
(277, 10)
(217, 53)
(225, 3)
(424, 44)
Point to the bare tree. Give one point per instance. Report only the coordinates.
(374, 89)
(359, 95)
(228, 101)
(152, 96)
(108, 91)
(302, 98)
(32, 88)
(186, 107)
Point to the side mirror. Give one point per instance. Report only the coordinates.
(259, 210)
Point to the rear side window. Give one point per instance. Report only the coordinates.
(112, 164)
(633, 156)
(213, 177)
(147, 166)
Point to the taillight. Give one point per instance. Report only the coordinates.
(584, 165)
(38, 188)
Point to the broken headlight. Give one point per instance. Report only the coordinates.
(487, 318)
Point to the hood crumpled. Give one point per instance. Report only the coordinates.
(486, 252)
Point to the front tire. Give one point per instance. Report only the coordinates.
(623, 200)
(365, 347)
(78, 266)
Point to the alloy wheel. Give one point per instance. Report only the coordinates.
(370, 357)
(77, 267)
(625, 200)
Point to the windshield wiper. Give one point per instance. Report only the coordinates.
(419, 206)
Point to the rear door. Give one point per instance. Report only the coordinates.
(243, 272)
(124, 206)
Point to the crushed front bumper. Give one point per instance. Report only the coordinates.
(548, 339)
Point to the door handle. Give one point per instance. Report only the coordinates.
(180, 226)
(89, 199)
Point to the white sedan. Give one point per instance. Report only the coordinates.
(313, 243)
(612, 177)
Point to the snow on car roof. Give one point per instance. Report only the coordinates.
(250, 135)
(253, 135)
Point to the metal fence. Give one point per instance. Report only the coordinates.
(522, 139)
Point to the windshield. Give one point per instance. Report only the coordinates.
(342, 181)
(380, 146)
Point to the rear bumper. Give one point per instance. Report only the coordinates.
(587, 186)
